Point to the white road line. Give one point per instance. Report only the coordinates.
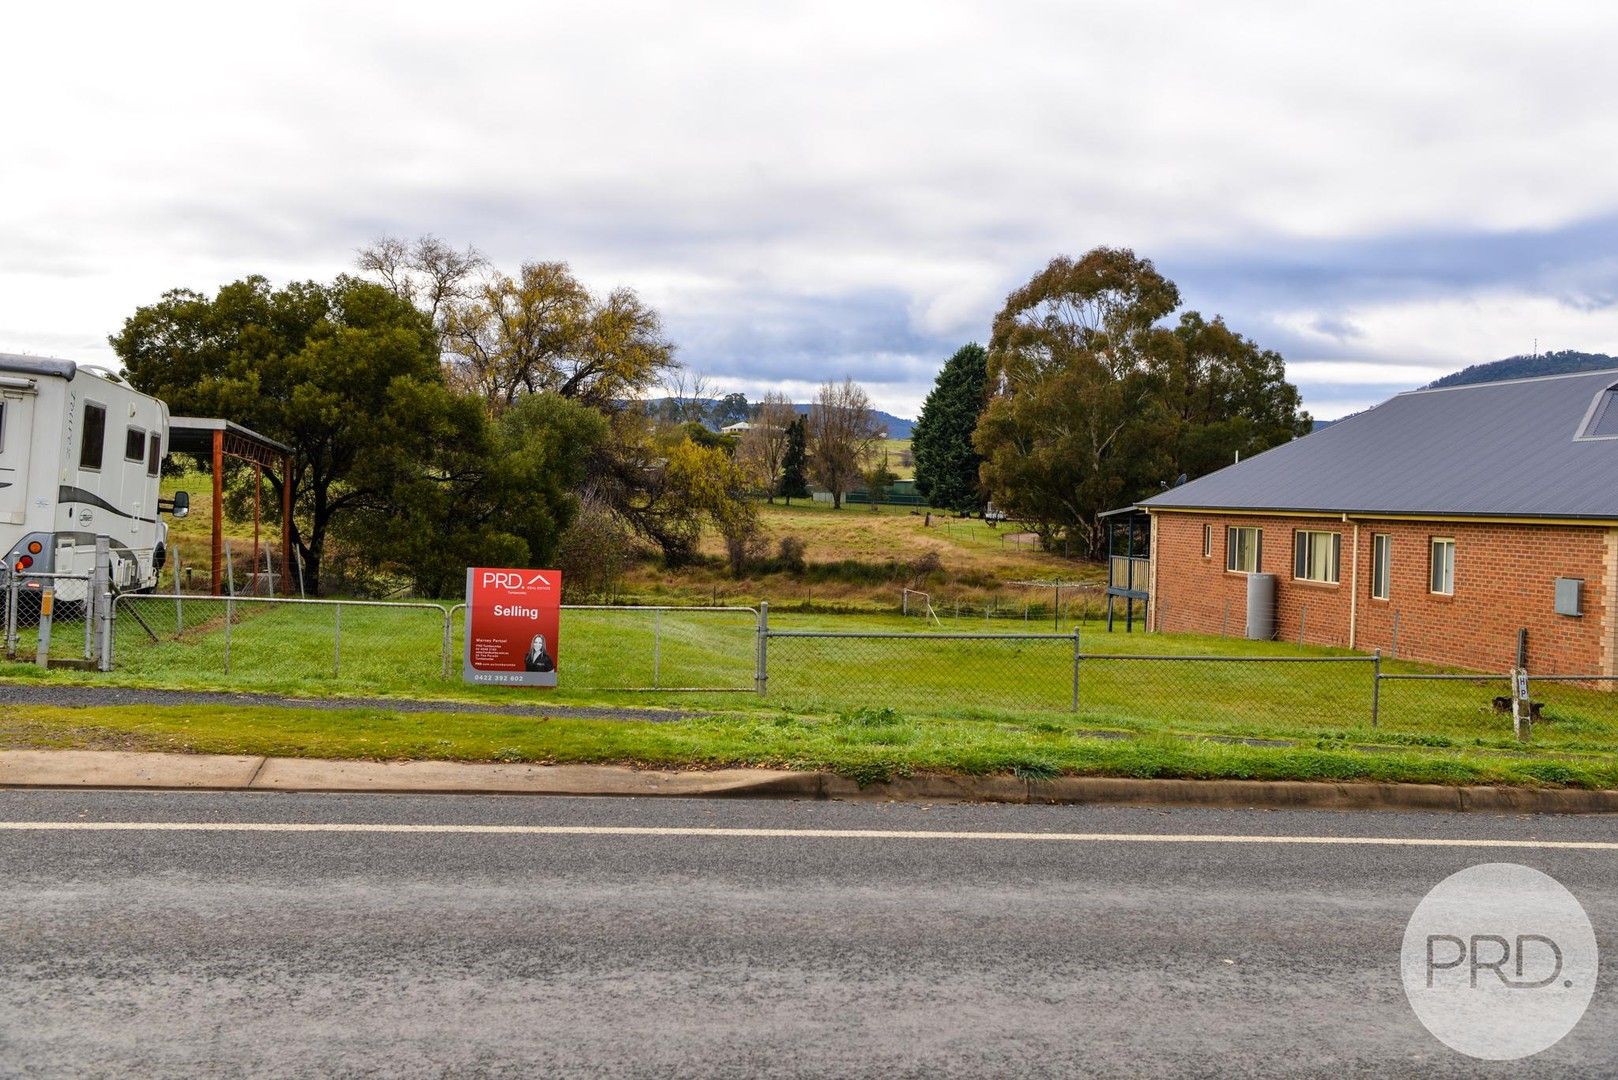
(813, 834)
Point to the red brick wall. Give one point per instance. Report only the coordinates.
(1504, 579)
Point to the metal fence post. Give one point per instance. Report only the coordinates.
(337, 641)
(88, 612)
(1076, 656)
(103, 595)
(230, 571)
(1376, 686)
(448, 616)
(11, 615)
(761, 674)
(230, 617)
(47, 610)
(179, 610)
(657, 645)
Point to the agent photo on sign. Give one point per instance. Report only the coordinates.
(539, 657)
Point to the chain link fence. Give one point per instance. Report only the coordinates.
(647, 647)
(260, 639)
(60, 622)
(382, 645)
(417, 647)
(1056, 607)
(930, 671)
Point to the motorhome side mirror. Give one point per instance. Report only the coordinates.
(182, 504)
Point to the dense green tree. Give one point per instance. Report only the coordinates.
(731, 409)
(946, 461)
(495, 492)
(1094, 404)
(879, 480)
(795, 462)
(343, 373)
(1225, 395)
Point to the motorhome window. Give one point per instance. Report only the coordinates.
(154, 454)
(134, 444)
(95, 433)
(2, 426)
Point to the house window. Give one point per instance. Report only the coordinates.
(1315, 555)
(154, 454)
(1242, 549)
(1443, 566)
(1381, 566)
(1207, 541)
(95, 434)
(134, 444)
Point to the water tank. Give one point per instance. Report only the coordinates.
(1260, 607)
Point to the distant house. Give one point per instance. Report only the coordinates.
(1441, 521)
(736, 429)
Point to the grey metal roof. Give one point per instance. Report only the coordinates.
(194, 434)
(38, 365)
(1517, 448)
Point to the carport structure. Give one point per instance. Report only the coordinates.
(216, 440)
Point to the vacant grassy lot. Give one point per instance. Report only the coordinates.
(860, 704)
(705, 660)
(859, 558)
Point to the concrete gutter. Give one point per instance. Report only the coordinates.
(216, 772)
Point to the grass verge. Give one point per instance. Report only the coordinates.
(868, 745)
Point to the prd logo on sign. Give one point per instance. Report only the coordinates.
(513, 625)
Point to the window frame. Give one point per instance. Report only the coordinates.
(1382, 566)
(1207, 540)
(154, 453)
(84, 437)
(1231, 547)
(2, 426)
(140, 454)
(1433, 545)
(1302, 559)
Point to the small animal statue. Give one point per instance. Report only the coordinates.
(1502, 704)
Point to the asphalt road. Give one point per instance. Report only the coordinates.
(316, 953)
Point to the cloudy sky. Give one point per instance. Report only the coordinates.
(1381, 192)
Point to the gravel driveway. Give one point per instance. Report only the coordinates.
(84, 696)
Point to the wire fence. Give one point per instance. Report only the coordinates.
(46, 616)
(950, 671)
(398, 646)
(287, 643)
(649, 647)
(1056, 606)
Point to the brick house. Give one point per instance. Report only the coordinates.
(1439, 522)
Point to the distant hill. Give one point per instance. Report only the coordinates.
(1565, 362)
(898, 426)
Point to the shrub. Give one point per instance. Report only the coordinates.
(790, 554)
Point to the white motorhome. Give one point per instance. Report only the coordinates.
(80, 457)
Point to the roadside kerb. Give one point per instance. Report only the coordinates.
(216, 772)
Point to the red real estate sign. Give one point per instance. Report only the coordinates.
(513, 618)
